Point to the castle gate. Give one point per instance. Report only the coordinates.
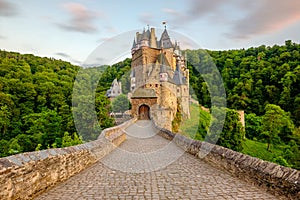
(144, 112)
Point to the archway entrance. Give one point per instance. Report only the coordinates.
(144, 112)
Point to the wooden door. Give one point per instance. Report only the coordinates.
(144, 113)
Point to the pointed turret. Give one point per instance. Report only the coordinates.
(178, 78)
(163, 75)
(133, 44)
(177, 50)
(165, 40)
(148, 33)
(145, 38)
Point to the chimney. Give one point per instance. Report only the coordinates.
(153, 38)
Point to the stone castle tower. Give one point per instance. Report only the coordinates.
(159, 79)
(115, 89)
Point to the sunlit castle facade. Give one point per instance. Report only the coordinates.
(159, 78)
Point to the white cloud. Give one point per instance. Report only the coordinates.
(81, 18)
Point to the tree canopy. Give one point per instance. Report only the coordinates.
(36, 101)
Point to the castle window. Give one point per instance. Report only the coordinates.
(156, 85)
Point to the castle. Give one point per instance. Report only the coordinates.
(115, 89)
(159, 79)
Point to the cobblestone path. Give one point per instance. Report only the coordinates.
(139, 169)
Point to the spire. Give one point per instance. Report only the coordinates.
(163, 69)
(178, 78)
(148, 33)
(165, 40)
(144, 36)
(177, 50)
(134, 44)
(165, 35)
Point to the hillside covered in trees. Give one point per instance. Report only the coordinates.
(254, 77)
(264, 82)
(36, 100)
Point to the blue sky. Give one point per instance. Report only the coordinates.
(71, 30)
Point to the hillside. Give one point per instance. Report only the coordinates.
(264, 82)
(253, 77)
(36, 101)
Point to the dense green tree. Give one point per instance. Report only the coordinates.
(204, 122)
(4, 148)
(273, 122)
(5, 117)
(36, 100)
(253, 125)
(103, 106)
(232, 135)
(120, 104)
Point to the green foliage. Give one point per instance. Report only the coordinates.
(281, 161)
(280, 154)
(4, 148)
(102, 104)
(204, 122)
(67, 140)
(273, 123)
(259, 150)
(14, 147)
(232, 135)
(254, 78)
(253, 126)
(38, 147)
(36, 101)
(120, 104)
(47, 124)
(189, 126)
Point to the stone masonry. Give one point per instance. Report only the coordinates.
(187, 177)
(158, 65)
(25, 175)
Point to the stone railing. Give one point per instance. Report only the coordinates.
(116, 134)
(278, 180)
(26, 175)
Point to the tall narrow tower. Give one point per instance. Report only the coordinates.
(158, 77)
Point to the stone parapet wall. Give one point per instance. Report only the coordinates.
(26, 175)
(276, 179)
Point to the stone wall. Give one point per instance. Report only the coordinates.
(25, 175)
(276, 179)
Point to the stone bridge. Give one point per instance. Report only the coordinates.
(138, 160)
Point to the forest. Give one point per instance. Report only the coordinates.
(264, 82)
(36, 102)
(36, 107)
